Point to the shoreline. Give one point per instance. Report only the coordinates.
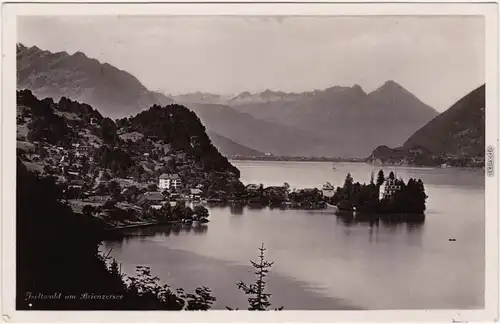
(142, 224)
(434, 166)
(138, 225)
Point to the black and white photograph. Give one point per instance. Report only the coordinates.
(274, 162)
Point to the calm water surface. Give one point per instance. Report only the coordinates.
(326, 262)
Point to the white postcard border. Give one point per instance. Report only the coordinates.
(11, 10)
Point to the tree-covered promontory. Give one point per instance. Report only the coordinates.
(182, 129)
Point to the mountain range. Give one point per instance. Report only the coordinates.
(353, 121)
(200, 97)
(338, 121)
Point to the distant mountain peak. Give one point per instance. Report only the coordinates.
(80, 54)
(358, 89)
(62, 54)
(392, 88)
(335, 89)
(391, 85)
(272, 94)
(390, 82)
(243, 95)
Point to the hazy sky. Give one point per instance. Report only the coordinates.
(438, 58)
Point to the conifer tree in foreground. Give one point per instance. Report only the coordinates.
(259, 299)
(380, 178)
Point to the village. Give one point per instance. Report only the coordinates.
(118, 201)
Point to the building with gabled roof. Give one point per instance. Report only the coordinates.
(151, 198)
(195, 193)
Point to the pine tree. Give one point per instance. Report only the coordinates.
(261, 190)
(380, 178)
(348, 187)
(392, 176)
(348, 181)
(422, 196)
(259, 299)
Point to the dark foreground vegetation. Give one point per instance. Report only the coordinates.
(258, 298)
(59, 266)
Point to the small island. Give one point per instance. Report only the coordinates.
(383, 196)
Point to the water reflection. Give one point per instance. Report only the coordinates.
(161, 231)
(236, 209)
(412, 222)
(256, 206)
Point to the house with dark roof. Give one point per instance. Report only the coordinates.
(77, 183)
(195, 194)
(130, 191)
(275, 190)
(252, 187)
(151, 198)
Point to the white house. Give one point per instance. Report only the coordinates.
(388, 188)
(169, 181)
(328, 190)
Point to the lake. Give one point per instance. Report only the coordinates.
(321, 261)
